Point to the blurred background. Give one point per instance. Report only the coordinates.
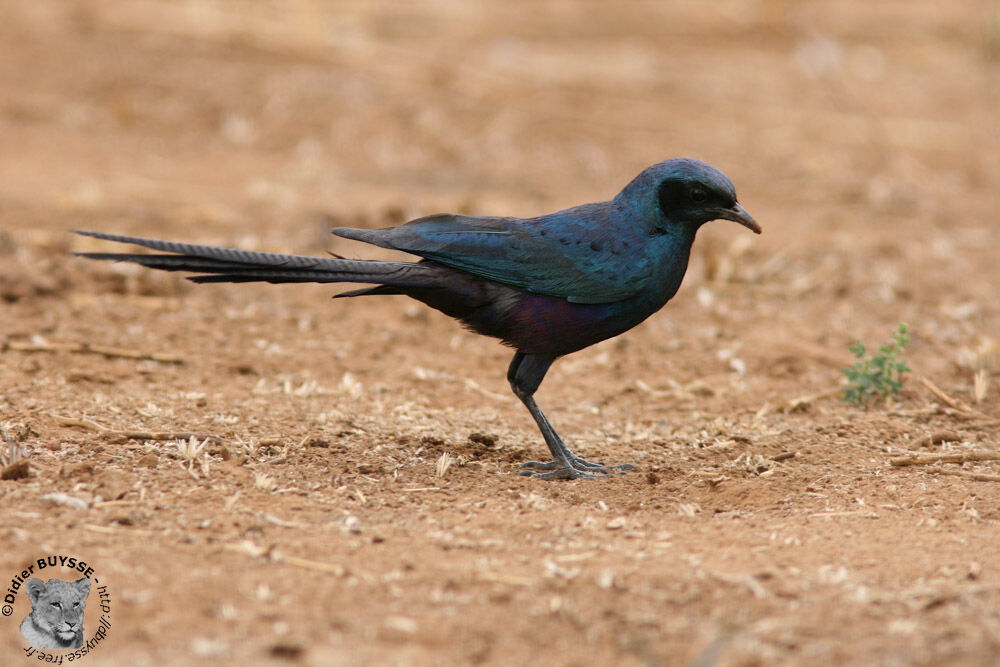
(865, 136)
(264, 117)
(209, 109)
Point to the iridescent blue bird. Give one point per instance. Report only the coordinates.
(545, 286)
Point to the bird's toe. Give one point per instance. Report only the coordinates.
(596, 466)
(577, 469)
(564, 472)
(528, 466)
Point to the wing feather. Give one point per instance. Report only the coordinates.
(588, 254)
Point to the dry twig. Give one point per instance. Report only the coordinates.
(121, 435)
(952, 402)
(160, 435)
(269, 553)
(87, 348)
(132, 435)
(943, 457)
(974, 476)
(79, 423)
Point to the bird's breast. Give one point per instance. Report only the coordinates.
(541, 324)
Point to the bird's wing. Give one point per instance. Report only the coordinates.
(586, 255)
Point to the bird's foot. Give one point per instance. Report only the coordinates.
(558, 470)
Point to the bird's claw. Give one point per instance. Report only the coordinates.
(562, 472)
(540, 465)
(577, 469)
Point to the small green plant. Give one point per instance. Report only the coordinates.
(879, 376)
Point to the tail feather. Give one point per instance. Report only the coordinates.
(215, 264)
(214, 252)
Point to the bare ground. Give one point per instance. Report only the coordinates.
(315, 526)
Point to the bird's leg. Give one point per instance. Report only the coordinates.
(577, 460)
(525, 374)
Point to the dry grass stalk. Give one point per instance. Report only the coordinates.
(115, 435)
(190, 449)
(80, 423)
(443, 464)
(981, 385)
(121, 436)
(987, 356)
(269, 553)
(954, 457)
(41, 345)
(952, 402)
(263, 481)
(132, 435)
(974, 476)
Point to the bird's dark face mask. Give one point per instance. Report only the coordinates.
(694, 202)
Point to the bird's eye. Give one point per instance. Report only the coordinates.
(55, 604)
(698, 195)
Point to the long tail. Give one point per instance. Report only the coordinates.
(229, 265)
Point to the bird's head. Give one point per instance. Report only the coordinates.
(684, 193)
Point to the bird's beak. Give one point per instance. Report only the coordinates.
(738, 214)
